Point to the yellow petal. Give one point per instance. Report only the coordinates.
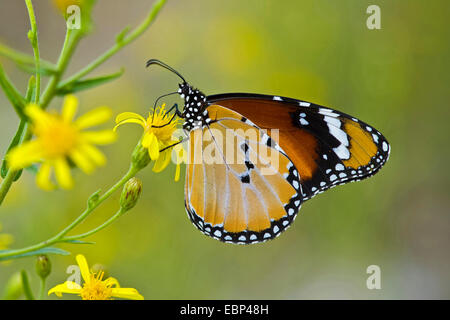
(24, 155)
(69, 108)
(62, 173)
(93, 153)
(177, 173)
(163, 161)
(93, 117)
(82, 161)
(36, 114)
(130, 115)
(66, 287)
(84, 268)
(112, 282)
(99, 137)
(43, 177)
(126, 293)
(147, 139)
(129, 121)
(180, 153)
(151, 143)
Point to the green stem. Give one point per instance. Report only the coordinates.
(72, 38)
(69, 45)
(26, 285)
(6, 184)
(60, 236)
(35, 44)
(119, 212)
(118, 45)
(42, 289)
(70, 42)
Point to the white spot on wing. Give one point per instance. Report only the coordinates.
(342, 152)
(333, 121)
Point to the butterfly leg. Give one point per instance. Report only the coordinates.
(177, 113)
(164, 95)
(174, 144)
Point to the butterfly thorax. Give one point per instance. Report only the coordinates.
(194, 111)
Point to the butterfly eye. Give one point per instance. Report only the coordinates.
(184, 88)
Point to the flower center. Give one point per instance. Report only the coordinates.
(96, 289)
(57, 137)
(161, 119)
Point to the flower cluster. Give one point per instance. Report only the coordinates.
(61, 141)
(158, 138)
(94, 287)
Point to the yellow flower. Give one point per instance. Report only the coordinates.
(62, 5)
(59, 138)
(159, 129)
(94, 287)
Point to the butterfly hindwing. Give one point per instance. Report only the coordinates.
(327, 147)
(235, 191)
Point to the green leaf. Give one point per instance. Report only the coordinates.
(86, 19)
(14, 142)
(33, 169)
(19, 173)
(31, 89)
(122, 34)
(43, 70)
(32, 37)
(12, 93)
(93, 198)
(80, 85)
(48, 250)
(27, 61)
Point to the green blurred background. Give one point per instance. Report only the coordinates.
(396, 79)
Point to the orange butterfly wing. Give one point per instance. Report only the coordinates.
(249, 192)
(326, 146)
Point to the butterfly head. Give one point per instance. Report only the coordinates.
(192, 97)
(194, 111)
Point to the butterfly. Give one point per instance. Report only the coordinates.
(253, 159)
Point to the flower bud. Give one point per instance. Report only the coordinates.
(43, 266)
(13, 288)
(140, 158)
(130, 193)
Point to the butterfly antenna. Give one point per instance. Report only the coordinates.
(162, 64)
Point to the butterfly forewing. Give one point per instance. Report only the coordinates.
(327, 147)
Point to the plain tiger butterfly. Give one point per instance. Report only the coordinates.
(253, 159)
